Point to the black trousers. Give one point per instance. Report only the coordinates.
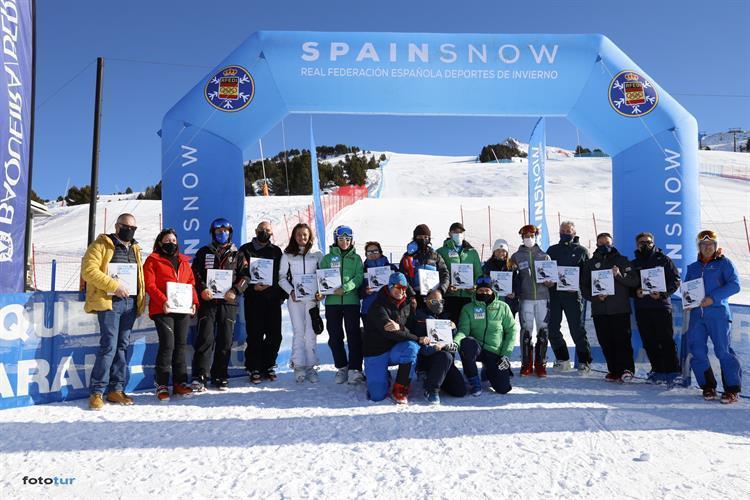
(471, 352)
(339, 317)
(657, 334)
(263, 326)
(214, 319)
(170, 358)
(453, 306)
(442, 373)
(613, 333)
(571, 304)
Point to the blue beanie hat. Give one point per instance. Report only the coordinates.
(397, 279)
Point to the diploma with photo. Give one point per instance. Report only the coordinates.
(377, 277)
(305, 286)
(502, 282)
(328, 280)
(652, 280)
(462, 276)
(439, 331)
(179, 297)
(261, 271)
(219, 281)
(602, 282)
(126, 275)
(545, 270)
(693, 293)
(428, 280)
(568, 279)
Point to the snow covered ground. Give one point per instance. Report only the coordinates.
(563, 437)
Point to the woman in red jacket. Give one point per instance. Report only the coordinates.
(171, 289)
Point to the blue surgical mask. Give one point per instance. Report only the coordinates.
(221, 237)
(566, 238)
(458, 238)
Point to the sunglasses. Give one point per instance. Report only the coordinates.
(128, 227)
(399, 287)
(372, 252)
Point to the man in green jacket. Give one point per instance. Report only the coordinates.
(486, 332)
(456, 250)
(343, 307)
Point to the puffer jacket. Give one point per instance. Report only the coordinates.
(524, 260)
(493, 326)
(465, 254)
(293, 266)
(99, 284)
(720, 281)
(350, 267)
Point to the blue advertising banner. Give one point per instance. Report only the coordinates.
(15, 137)
(319, 217)
(537, 193)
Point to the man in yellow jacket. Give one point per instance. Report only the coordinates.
(113, 271)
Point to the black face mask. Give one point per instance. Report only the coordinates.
(646, 248)
(604, 248)
(422, 244)
(126, 233)
(487, 298)
(263, 236)
(169, 248)
(436, 309)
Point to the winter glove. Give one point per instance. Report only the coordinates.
(452, 347)
(503, 363)
(317, 322)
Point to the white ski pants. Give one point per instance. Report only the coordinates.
(304, 341)
(534, 310)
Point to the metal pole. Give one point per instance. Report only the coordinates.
(54, 275)
(286, 166)
(27, 242)
(95, 150)
(593, 216)
(462, 214)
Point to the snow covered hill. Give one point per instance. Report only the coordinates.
(565, 436)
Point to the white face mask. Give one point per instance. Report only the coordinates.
(528, 242)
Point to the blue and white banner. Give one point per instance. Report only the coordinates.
(537, 192)
(652, 139)
(317, 203)
(15, 137)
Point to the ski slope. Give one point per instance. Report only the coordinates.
(567, 436)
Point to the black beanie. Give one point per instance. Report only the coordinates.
(422, 230)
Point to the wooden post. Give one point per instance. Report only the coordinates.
(593, 216)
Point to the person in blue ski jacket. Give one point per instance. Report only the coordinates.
(713, 320)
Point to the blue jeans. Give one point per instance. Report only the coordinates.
(376, 367)
(111, 365)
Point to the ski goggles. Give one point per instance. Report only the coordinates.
(434, 302)
(484, 281)
(343, 232)
(707, 236)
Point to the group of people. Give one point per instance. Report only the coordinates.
(394, 317)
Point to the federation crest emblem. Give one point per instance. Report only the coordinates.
(6, 247)
(630, 94)
(230, 89)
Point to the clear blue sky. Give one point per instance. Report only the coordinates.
(696, 50)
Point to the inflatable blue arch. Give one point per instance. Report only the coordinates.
(652, 139)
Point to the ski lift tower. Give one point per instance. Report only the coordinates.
(734, 132)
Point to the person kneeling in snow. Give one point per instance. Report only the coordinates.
(388, 342)
(486, 333)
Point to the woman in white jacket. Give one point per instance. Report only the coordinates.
(297, 260)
